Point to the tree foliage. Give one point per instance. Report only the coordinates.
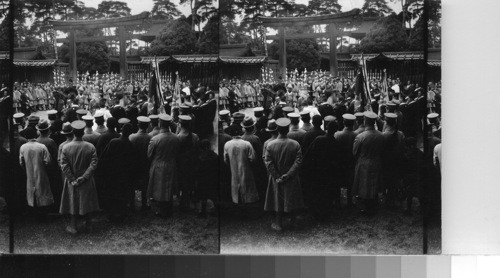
(164, 9)
(107, 9)
(320, 7)
(300, 54)
(208, 42)
(376, 8)
(387, 34)
(92, 56)
(176, 38)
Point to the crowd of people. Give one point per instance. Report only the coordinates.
(87, 159)
(312, 147)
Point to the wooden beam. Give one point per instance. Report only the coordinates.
(123, 52)
(282, 52)
(100, 38)
(334, 67)
(300, 36)
(72, 56)
(277, 22)
(99, 23)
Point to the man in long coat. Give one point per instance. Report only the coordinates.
(35, 158)
(393, 157)
(368, 148)
(189, 141)
(283, 158)
(140, 140)
(295, 132)
(346, 138)
(163, 152)
(240, 155)
(78, 163)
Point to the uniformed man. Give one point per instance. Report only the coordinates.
(235, 127)
(163, 152)
(346, 138)
(89, 135)
(287, 110)
(316, 131)
(283, 158)
(188, 144)
(99, 120)
(80, 113)
(305, 116)
(140, 140)
(360, 124)
(295, 132)
(368, 148)
(154, 128)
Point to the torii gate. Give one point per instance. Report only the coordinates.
(72, 25)
(281, 22)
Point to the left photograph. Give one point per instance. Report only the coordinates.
(114, 104)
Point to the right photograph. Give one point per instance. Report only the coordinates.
(329, 127)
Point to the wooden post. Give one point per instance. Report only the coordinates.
(334, 68)
(282, 52)
(123, 52)
(72, 57)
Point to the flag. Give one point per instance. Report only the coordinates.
(359, 88)
(385, 88)
(154, 91)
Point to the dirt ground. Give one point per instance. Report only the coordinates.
(346, 232)
(141, 233)
(4, 233)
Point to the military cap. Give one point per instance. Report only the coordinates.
(98, 114)
(33, 119)
(238, 115)
(282, 103)
(52, 114)
(223, 113)
(143, 119)
(293, 115)
(349, 117)
(248, 122)
(283, 122)
(432, 116)
(271, 126)
(329, 118)
(370, 115)
(391, 116)
(258, 111)
(165, 117)
(66, 128)
(43, 125)
(288, 109)
(87, 118)
(123, 121)
(82, 112)
(305, 113)
(184, 118)
(397, 102)
(359, 115)
(154, 117)
(18, 115)
(77, 125)
(391, 104)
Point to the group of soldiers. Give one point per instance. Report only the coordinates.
(80, 162)
(306, 159)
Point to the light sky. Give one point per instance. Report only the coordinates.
(138, 6)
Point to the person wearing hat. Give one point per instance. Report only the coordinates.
(90, 135)
(283, 158)
(78, 164)
(32, 122)
(305, 116)
(224, 169)
(207, 176)
(224, 116)
(117, 111)
(154, 128)
(393, 158)
(67, 131)
(260, 129)
(259, 168)
(360, 122)
(53, 170)
(368, 149)
(413, 179)
(188, 142)
(287, 110)
(321, 167)
(140, 140)
(272, 129)
(346, 138)
(163, 152)
(34, 157)
(240, 155)
(19, 120)
(111, 133)
(235, 127)
(296, 133)
(317, 122)
(18, 204)
(99, 120)
(117, 164)
(80, 113)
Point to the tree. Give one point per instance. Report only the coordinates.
(176, 38)
(376, 8)
(209, 38)
(387, 34)
(164, 9)
(109, 9)
(300, 54)
(416, 38)
(92, 56)
(319, 7)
